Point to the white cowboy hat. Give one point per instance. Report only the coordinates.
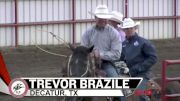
(128, 23)
(101, 11)
(116, 16)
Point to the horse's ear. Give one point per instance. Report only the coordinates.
(72, 47)
(90, 49)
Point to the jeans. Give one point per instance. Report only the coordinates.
(111, 72)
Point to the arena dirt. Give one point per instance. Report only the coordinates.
(28, 61)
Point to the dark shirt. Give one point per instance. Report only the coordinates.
(140, 55)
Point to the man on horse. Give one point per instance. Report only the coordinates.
(138, 53)
(105, 40)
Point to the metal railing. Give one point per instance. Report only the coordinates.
(166, 79)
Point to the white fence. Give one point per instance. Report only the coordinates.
(57, 16)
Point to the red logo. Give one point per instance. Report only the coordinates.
(18, 88)
(143, 92)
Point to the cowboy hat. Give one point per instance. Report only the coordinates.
(116, 16)
(101, 11)
(128, 23)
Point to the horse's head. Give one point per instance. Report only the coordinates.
(79, 61)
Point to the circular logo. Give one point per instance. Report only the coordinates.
(18, 88)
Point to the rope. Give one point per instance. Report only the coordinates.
(59, 39)
(56, 37)
(49, 52)
(69, 71)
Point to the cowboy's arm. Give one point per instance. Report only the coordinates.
(151, 58)
(115, 52)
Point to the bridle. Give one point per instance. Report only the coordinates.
(69, 71)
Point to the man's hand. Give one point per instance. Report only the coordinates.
(124, 70)
(95, 53)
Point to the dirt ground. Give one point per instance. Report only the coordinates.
(29, 61)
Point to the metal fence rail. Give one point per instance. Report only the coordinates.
(165, 79)
(160, 19)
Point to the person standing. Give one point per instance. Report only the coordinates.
(116, 20)
(138, 53)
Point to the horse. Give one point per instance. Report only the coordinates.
(153, 92)
(154, 85)
(79, 64)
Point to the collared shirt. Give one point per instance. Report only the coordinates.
(105, 40)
